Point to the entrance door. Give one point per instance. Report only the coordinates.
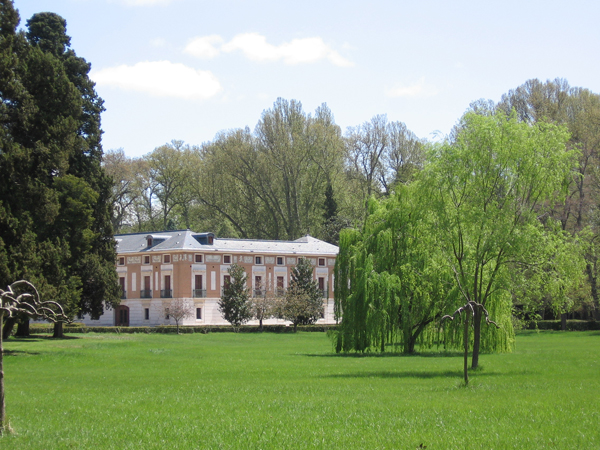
(122, 316)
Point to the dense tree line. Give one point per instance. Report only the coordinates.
(55, 198)
(298, 173)
(295, 174)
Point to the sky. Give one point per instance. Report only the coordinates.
(188, 69)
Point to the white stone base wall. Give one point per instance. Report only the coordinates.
(210, 314)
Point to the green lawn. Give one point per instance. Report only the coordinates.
(286, 391)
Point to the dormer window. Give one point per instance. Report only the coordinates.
(155, 239)
(205, 238)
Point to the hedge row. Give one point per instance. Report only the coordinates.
(556, 325)
(79, 328)
(572, 325)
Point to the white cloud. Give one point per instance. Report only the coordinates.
(161, 79)
(204, 47)
(158, 42)
(256, 48)
(418, 89)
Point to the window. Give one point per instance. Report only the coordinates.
(167, 259)
(280, 292)
(122, 286)
(280, 261)
(146, 313)
(321, 262)
(226, 280)
(322, 287)
(258, 292)
(122, 261)
(199, 291)
(198, 313)
(258, 260)
(147, 259)
(167, 317)
(146, 292)
(198, 258)
(166, 292)
(226, 259)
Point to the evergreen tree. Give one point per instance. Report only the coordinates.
(303, 302)
(92, 249)
(235, 304)
(55, 198)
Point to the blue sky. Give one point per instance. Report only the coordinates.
(187, 69)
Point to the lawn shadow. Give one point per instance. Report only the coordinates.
(32, 338)
(444, 354)
(18, 352)
(424, 374)
(39, 337)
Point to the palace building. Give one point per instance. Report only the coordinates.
(155, 268)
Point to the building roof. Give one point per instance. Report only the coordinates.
(199, 242)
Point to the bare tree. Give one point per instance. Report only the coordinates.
(263, 306)
(381, 154)
(122, 170)
(179, 310)
(23, 299)
(472, 308)
(366, 146)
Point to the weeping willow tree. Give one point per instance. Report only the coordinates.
(392, 284)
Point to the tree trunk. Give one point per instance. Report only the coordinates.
(476, 337)
(8, 327)
(466, 343)
(260, 324)
(23, 328)
(591, 270)
(58, 330)
(409, 347)
(563, 321)
(295, 326)
(2, 406)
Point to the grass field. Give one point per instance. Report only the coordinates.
(289, 391)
